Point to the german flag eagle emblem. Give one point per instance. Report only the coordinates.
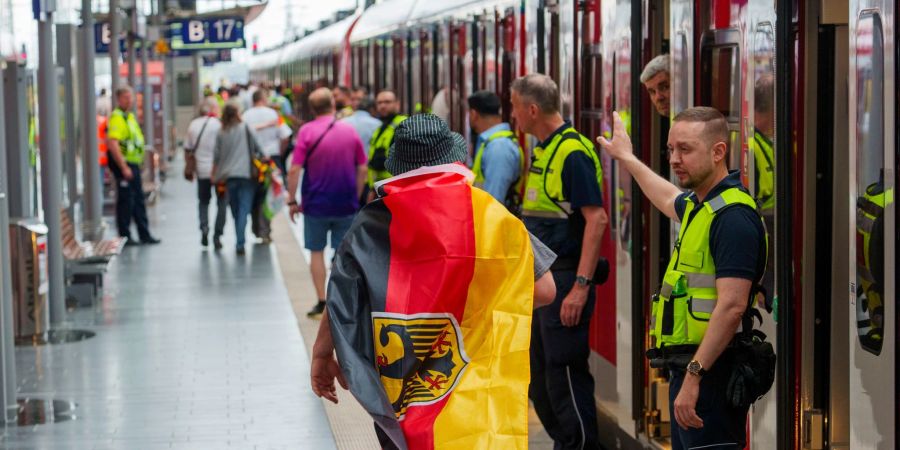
(420, 357)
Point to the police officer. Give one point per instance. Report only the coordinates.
(563, 208)
(499, 161)
(125, 143)
(388, 108)
(718, 260)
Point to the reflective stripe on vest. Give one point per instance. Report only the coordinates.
(544, 188)
(687, 297)
(132, 147)
(381, 144)
(764, 157)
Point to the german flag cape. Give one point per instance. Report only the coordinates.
(430, 304)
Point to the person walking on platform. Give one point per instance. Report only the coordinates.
(104, 104)
(411, 301)
(343, 102)
(125, 144)
(499, 164)
(563, 207)
(271, 136)
(362, 121)
(198, 153)
(331, 158)
(388, 108)
(718, 261)
(233, 164)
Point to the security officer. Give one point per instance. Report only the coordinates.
(563, 207)
(718, 260)
(655, 78)
(499, 163)
(761, 144)
(388, 108)
(125, 143)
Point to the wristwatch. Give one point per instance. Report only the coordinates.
(695, 368)
(583, 281)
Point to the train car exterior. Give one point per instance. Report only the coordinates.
(791, 77)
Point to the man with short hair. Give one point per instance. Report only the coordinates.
(343, 101)
(655, 78)
(271, 136)
(499, 162)
(331, 158)
(359, 93)
(388, 108)
(563, 207)
(711, 279)
(125, 143)
(431, 320)
(362, 121)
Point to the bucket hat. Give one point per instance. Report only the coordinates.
(424, 140)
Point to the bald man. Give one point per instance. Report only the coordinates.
(334, 161)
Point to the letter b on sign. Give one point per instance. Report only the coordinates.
(195, 31)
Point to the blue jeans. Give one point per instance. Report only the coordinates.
(240, 196)
(316, 228)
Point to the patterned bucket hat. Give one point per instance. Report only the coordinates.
(424, 140)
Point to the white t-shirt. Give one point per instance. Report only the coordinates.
(206, 145)
(270, 137)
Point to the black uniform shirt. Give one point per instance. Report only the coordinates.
(580, 188)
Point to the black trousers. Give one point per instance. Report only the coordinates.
(205, 191)
(130, 202)
(724, 426)
(562, 387)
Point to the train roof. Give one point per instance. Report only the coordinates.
(326, 40)
(426, 10)
(383, 18)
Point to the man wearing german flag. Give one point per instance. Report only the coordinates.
(429, 303)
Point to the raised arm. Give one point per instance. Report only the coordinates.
(660, 191)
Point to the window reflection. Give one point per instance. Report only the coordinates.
(870, 203)
(762, 143)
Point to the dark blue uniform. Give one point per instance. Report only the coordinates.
(562, 387)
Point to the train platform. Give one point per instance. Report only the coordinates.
(193, 348)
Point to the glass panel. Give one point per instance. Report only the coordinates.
(723, 64)
(761, 143)
(870, 203)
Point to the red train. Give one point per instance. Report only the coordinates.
(816, 78)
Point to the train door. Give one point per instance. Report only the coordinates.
(872, 238)
(755, 154)
(458, 88)
(426, 77)
(508, 60)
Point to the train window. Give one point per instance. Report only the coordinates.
(681, 75)
(872, 198)
(720, 87)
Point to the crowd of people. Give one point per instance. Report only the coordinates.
(357, 149)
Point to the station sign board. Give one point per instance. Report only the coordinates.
(103, 38)
(206, 33)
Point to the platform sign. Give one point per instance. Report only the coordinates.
(217, 57)
(103, 37)
(207, 33)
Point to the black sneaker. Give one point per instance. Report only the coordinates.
(241, 251)
(204, 241)
(217, 242)
(150, 241)
(317, 310)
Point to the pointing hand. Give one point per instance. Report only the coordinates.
(619, 146)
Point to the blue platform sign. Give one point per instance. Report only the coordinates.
(103, 37)
(207, 33)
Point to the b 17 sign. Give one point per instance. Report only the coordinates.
(207, 33)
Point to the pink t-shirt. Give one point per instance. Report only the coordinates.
(329, 178)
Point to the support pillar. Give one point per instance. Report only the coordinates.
(51, 168)
(7, 340)
(92, 199)
(115, 29)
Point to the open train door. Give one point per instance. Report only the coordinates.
(872, 306)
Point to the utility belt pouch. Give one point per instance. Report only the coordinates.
(753, 363)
